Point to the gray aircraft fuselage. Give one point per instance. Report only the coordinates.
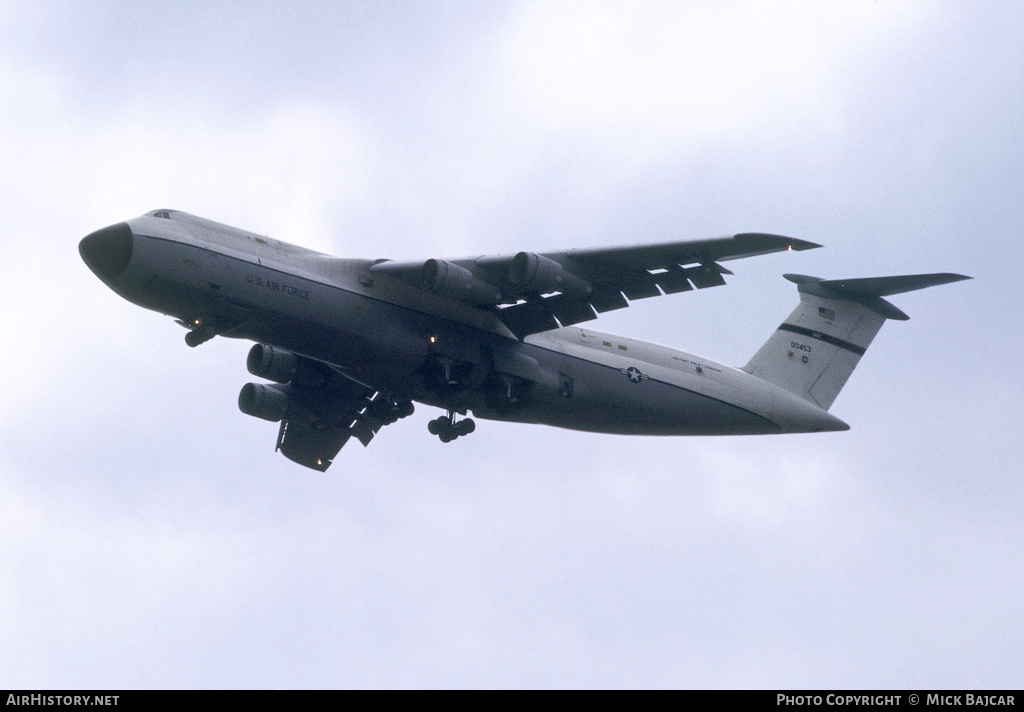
(392, 337)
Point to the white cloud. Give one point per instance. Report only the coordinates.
(672, 76)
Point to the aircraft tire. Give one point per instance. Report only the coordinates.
(197, 337)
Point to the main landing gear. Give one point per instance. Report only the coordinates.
(447, 429)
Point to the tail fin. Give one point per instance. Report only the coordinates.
(816, 349)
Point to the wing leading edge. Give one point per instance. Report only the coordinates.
(619, 275)
(534, 292)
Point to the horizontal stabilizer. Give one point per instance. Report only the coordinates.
(885, 286)
(869, 291)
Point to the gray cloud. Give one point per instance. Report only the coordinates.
(151, 537)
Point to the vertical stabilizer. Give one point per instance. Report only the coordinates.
(815, 350)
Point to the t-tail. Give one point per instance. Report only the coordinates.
(814, 351)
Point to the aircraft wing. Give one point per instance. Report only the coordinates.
(602, 279)
(537, 292)
(326, 420)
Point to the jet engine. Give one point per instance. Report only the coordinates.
(282, 366)
(452, 280)
(530, 272)
(262, 401)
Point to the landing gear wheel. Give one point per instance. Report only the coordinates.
(447, 429)
(199, 336)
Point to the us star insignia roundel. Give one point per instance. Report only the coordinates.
(634, 374)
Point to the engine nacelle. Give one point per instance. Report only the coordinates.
(452, 280)
(262, 401)
(273, 364)
(531, 272)
(282, 366)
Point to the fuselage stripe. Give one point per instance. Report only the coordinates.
(804, 331)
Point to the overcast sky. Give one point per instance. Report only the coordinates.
(151, 537)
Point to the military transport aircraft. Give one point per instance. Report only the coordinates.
(349, 344)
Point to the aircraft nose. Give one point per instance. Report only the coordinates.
(107, 251)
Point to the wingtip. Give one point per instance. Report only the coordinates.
(800, 245)
(780, 242)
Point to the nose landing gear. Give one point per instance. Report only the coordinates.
(202, 329)
(447, 429)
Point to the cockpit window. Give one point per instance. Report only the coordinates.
(166, 214)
